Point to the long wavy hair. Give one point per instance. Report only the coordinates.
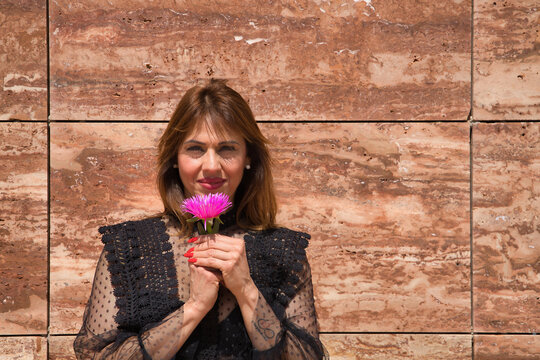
(219, 108)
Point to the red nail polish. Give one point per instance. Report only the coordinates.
(188, 254)
(192, 260)
(190, 250)
(192, 240)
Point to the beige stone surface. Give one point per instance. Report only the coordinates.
(397, 346)
(386, 205)
(23, 348)
(23, 228)
(506, 347)
(292, 60)
(506, 227)
(506, 60)
(61, 348)
(100, 174)
(23, 60)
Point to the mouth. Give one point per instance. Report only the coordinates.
(211, 183)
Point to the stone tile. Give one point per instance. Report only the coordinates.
(61, 348)
(100, 174)
(369, 188)
(506, 60)
(506, 347)
(23, 348)
(291, 60)
(23, 59)
(23, 228)
(506, 227)
(398, 346)
(387, 207)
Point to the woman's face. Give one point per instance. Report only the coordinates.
(210, 163)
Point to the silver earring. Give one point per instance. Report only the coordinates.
(248, 167)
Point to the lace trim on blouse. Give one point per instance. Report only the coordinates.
(145, 286)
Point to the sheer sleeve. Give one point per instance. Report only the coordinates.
(101, 337)
(297, 334)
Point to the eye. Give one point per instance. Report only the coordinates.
(227, 148)
(195, 148)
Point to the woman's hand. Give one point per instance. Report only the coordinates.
(227, 255)
(204, 287)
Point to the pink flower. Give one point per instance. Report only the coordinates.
(207, 208)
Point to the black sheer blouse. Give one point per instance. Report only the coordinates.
(142, 281)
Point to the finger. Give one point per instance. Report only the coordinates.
(221, 243)
(220, 252)
(195, 240)
(214, 274)
(208, 262)
(212, 253)
(217, 273)
(200, 239)
(210, 239)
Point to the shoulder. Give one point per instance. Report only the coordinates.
(132, 239)
(132, 243)
(281, 237)
(132, 228)
(282, 249)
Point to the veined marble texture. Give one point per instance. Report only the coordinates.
(506, 347)
(23, 60)
(100, 174)
(23, 228)
(506, 60)
(23, 348)
(397, 346)
(386, 205)
(292, 60)
(506, 227)
(61, 348)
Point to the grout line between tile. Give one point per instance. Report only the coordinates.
(393, 333)
(337, 333)
(471, 123)
(272, 121)
(281, 121)
(48, 177)
(48, 60)
(48, 233)
(471, 112)
(471, 243)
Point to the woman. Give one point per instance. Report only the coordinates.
(161, 291)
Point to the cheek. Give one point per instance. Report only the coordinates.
(187, 167)
(237, 172)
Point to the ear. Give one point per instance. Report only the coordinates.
(248, 161)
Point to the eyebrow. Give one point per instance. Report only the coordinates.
(220, 143)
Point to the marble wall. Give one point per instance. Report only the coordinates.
(406, 136)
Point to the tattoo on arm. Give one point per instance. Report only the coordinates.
(263, 327)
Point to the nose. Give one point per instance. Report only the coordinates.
(211, 162)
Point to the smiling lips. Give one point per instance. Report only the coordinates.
(211, 183)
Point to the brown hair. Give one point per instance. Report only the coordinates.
(220, 108)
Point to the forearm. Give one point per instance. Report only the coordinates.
(166, 339)
(262, 325)
(160, 342)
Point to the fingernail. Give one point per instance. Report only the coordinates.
(192, 260)
(192, 240)
(188, 254)
(190, 250)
